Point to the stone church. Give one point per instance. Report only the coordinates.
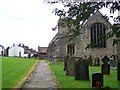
(95, 26)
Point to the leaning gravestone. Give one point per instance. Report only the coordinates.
(69, 68)
(90, 60)
(96, 61)
(118, 70)
(97, 80)
(105, 69)
(81, 70)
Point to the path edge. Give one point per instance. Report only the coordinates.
(54, 77)
(21, 83)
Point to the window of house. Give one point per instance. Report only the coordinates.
(97, 30)
(71, 49)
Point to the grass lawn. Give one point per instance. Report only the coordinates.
(14, 69)
(69, 81)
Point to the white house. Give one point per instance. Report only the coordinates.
(16, 51)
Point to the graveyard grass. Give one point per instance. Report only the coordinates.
(69, 81)
(14, 69)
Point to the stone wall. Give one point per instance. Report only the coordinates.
(85, 38)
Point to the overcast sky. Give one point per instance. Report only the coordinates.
(27, 21)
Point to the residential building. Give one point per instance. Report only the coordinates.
(42, 52)
(15, 50)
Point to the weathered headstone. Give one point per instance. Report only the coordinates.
(90, 60)
(76, 71)
(69, 68)
(96, 61)
(81, 70)
(118, 70)
(105, 68)
(65, 62)
(97, 80)
(112, 61)
(116, 59)
(50, 58)
(53, 59)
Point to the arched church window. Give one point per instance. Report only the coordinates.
(98, 30)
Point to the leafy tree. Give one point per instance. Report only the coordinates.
(79, 12)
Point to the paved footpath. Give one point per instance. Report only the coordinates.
(41, 78)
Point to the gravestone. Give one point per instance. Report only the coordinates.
(105, 68)
(50, 58)
(90, 60)
(69, 67)
(76, 71)
(96, 61)
(81, 69)
(116, 59)
(118, 70)
(112, 61)
(65, 62)
(97, 80)
(54, 60)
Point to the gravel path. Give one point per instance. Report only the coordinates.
(41, 78)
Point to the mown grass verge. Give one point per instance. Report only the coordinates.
(14, 69)
(69, 81)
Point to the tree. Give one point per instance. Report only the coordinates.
(78, 12)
